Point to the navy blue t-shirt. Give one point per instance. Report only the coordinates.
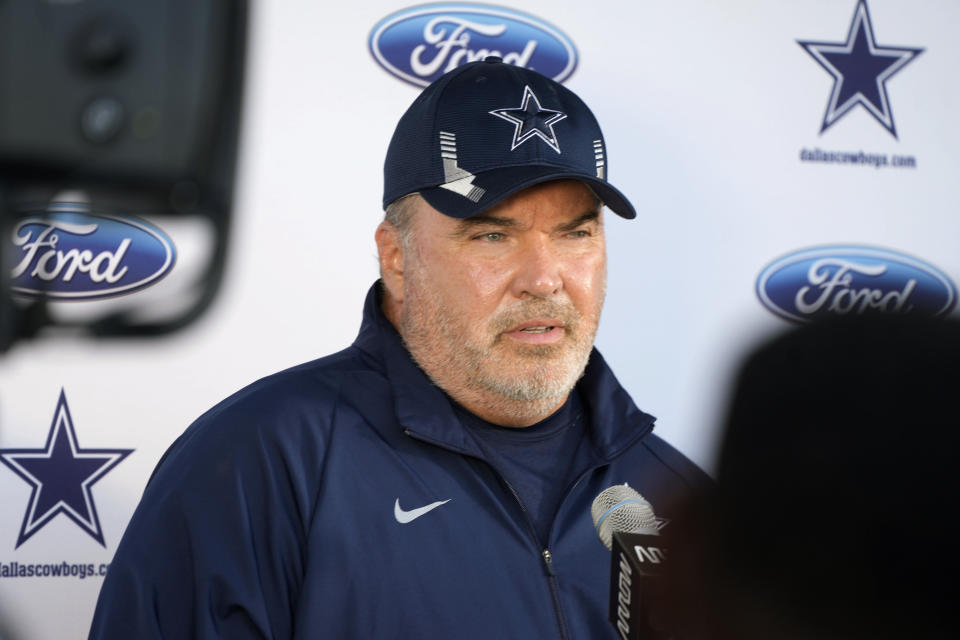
(539, 462)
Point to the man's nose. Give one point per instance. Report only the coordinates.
(539, 273)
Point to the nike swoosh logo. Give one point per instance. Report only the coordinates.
(403, 517)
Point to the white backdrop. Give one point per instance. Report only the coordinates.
(706, 108)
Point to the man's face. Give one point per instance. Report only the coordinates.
(507, 302)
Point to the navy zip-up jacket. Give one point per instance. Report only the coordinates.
(278, 513)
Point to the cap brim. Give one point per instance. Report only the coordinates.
(498, 184)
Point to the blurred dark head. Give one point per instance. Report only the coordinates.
(832, 516)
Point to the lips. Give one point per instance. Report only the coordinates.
(537, 325)
(537, 331)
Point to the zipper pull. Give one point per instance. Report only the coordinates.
(548, 561)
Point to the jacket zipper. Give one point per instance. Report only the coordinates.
(545, 554)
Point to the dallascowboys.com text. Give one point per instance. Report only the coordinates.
(52, 570)
(877, 160)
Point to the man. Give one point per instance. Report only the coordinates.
(433, 480)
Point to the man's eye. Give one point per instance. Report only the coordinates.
(493, 236)
(580, 233)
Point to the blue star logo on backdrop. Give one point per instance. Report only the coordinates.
(531, 120)
(860, 69)
(61, 475)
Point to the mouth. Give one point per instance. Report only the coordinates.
(537, 325)
(537, 331)
(542, 329)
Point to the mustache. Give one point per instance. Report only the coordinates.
(564, 312)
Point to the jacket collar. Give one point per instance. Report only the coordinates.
(425, 411)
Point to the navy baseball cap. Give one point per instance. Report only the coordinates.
(488, 129)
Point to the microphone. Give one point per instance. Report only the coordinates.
(626, 525)
(621, 508)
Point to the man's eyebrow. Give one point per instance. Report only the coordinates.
(589, 216)
(467, 225)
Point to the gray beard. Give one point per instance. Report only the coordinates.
(485, 374)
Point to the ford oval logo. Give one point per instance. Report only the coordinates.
(419, 44)
(69, 253)
(841, 280)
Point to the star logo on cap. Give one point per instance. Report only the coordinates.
(860, 70)
(531, 120)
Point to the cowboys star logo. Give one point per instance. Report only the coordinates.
(860, 68)
(61, 476)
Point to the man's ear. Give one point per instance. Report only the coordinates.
(390, 253)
